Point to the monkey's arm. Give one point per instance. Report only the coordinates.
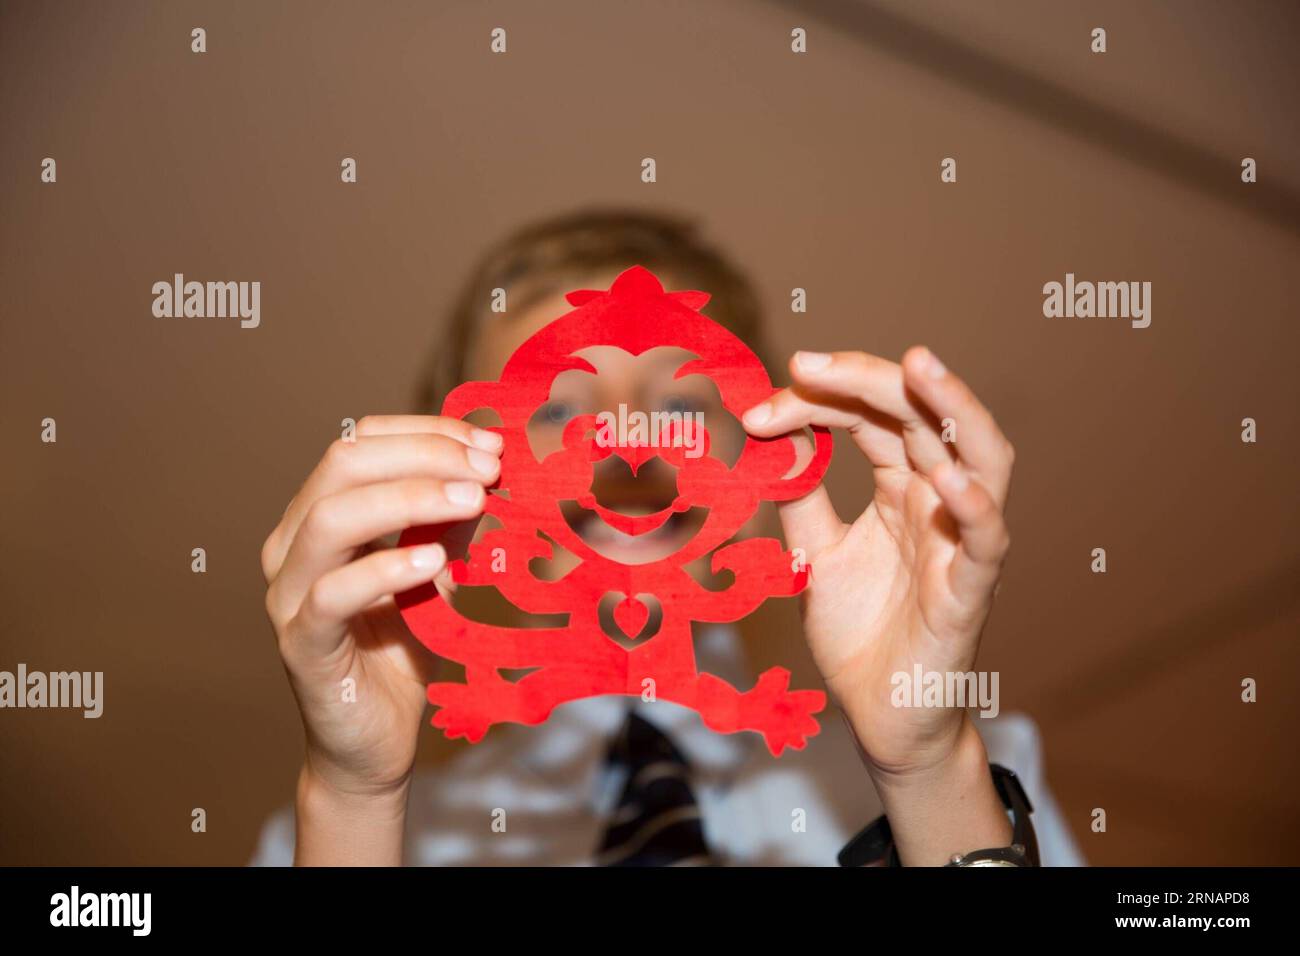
(762, 568)
(501, 559)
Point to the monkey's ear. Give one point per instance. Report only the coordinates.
(690, 299)
(581, 297)
(470, 397)
(796, 486)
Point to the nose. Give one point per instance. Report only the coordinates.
(635, 453)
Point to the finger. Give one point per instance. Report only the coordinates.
(791, 410)
(983, 535)
(811, 522)
(980, 444)
(337, 596)
(375, 459)
(861, 393)
(337, 525)
(462, 431)
(879, 384)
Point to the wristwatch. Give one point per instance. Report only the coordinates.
(876, 842)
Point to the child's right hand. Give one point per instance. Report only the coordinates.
(331, 586)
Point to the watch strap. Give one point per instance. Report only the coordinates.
(875, 842)
(1016, 800)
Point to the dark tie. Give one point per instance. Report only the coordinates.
(656, 822)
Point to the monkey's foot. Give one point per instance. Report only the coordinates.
(468, 710)
(782, 716)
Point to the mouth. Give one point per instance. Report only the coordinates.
(672, 530)
(633, 525)
(633, 516)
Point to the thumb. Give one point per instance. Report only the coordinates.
(811, 522)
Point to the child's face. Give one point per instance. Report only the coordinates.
(642, 383)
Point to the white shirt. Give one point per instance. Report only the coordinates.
(549, 785)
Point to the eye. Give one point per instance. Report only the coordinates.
(555, 413)
(676, 404)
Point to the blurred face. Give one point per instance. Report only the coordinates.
(642, 383)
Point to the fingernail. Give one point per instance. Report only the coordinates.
(482, 462)
(426, 557)
(463, 492)
(758, 414)
(811, 361)
(488, 441)
(934, 368)
(955, 478)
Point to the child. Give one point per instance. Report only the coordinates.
(909, 580)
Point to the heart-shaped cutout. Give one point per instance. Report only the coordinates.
(631, 615)
(629, 620)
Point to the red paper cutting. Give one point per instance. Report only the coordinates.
(579, 660)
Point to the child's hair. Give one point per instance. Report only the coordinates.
(565, 253)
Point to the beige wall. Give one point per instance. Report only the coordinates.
(818, 171)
